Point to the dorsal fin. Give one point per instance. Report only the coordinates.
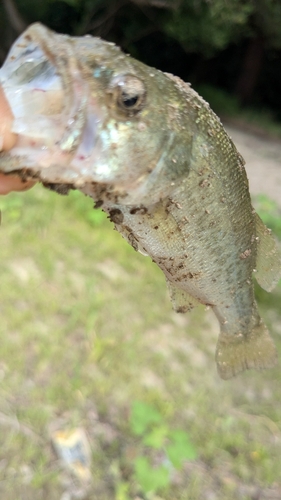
(268, 262)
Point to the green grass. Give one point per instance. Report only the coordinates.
(87, 329)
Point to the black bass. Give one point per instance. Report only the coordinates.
(150, 151)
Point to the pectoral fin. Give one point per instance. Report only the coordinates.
(268, 262)
(181, 300)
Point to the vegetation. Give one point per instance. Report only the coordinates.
(230, 110)
(88, 336)
(89, 339)
(234, 45)
(174, 445)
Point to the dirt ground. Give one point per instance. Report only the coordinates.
(263, 162)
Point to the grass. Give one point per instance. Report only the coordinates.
(87, 329)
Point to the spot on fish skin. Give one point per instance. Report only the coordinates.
(98, 204)
(245, 254)
(141, 210)
(204, 183)
(184, 309)
(58, 188)
(194, 275)
(141, 126)
(185, 219)
(178, 205)
(116, 216)
(133, 242)
(172, 202)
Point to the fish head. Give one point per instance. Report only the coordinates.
(87, 114)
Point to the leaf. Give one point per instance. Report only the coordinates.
(151, 479)
(143, 417)
(122, 491)
(180, 448)
(156, 437)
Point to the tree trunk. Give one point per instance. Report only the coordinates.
(251, 68)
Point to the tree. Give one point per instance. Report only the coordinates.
(264, 34)
(208, 26)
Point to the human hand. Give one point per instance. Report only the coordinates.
(10, 183)
(7, 141)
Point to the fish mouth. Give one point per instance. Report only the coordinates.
(53, 120)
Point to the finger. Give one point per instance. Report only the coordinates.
(13, 183)
(7, 137)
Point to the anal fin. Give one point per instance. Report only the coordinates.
(268, 261)
(181, 300)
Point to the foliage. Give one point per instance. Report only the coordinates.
(201, 26)
(147, 423)
(220, 101)
(228, 107)
(179, 36)
(86, 328)
(267, 19)
(206, 27)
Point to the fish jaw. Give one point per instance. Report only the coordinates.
(54, 117)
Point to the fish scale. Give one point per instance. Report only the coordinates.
(154, 156)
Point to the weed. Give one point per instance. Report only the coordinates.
(86, 327)
(172, 445)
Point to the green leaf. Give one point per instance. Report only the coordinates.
(122, 491)
(156, 437)
(143, 417)
(180, 448)
(151, 479)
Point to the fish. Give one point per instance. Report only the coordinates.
(154, 156)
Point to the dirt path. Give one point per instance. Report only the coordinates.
(263, 162)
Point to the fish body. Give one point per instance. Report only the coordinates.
(154, 156)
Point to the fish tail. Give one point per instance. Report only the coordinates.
(236, 353)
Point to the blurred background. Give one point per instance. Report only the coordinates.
(105, 392)
(234, 46)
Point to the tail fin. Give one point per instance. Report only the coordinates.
(236, 353)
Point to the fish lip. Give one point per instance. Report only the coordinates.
(76, 92)
(58, 51)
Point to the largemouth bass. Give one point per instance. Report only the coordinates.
(153, 155)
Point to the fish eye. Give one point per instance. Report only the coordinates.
(129, 93)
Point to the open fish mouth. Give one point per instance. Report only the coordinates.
(54, 122)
